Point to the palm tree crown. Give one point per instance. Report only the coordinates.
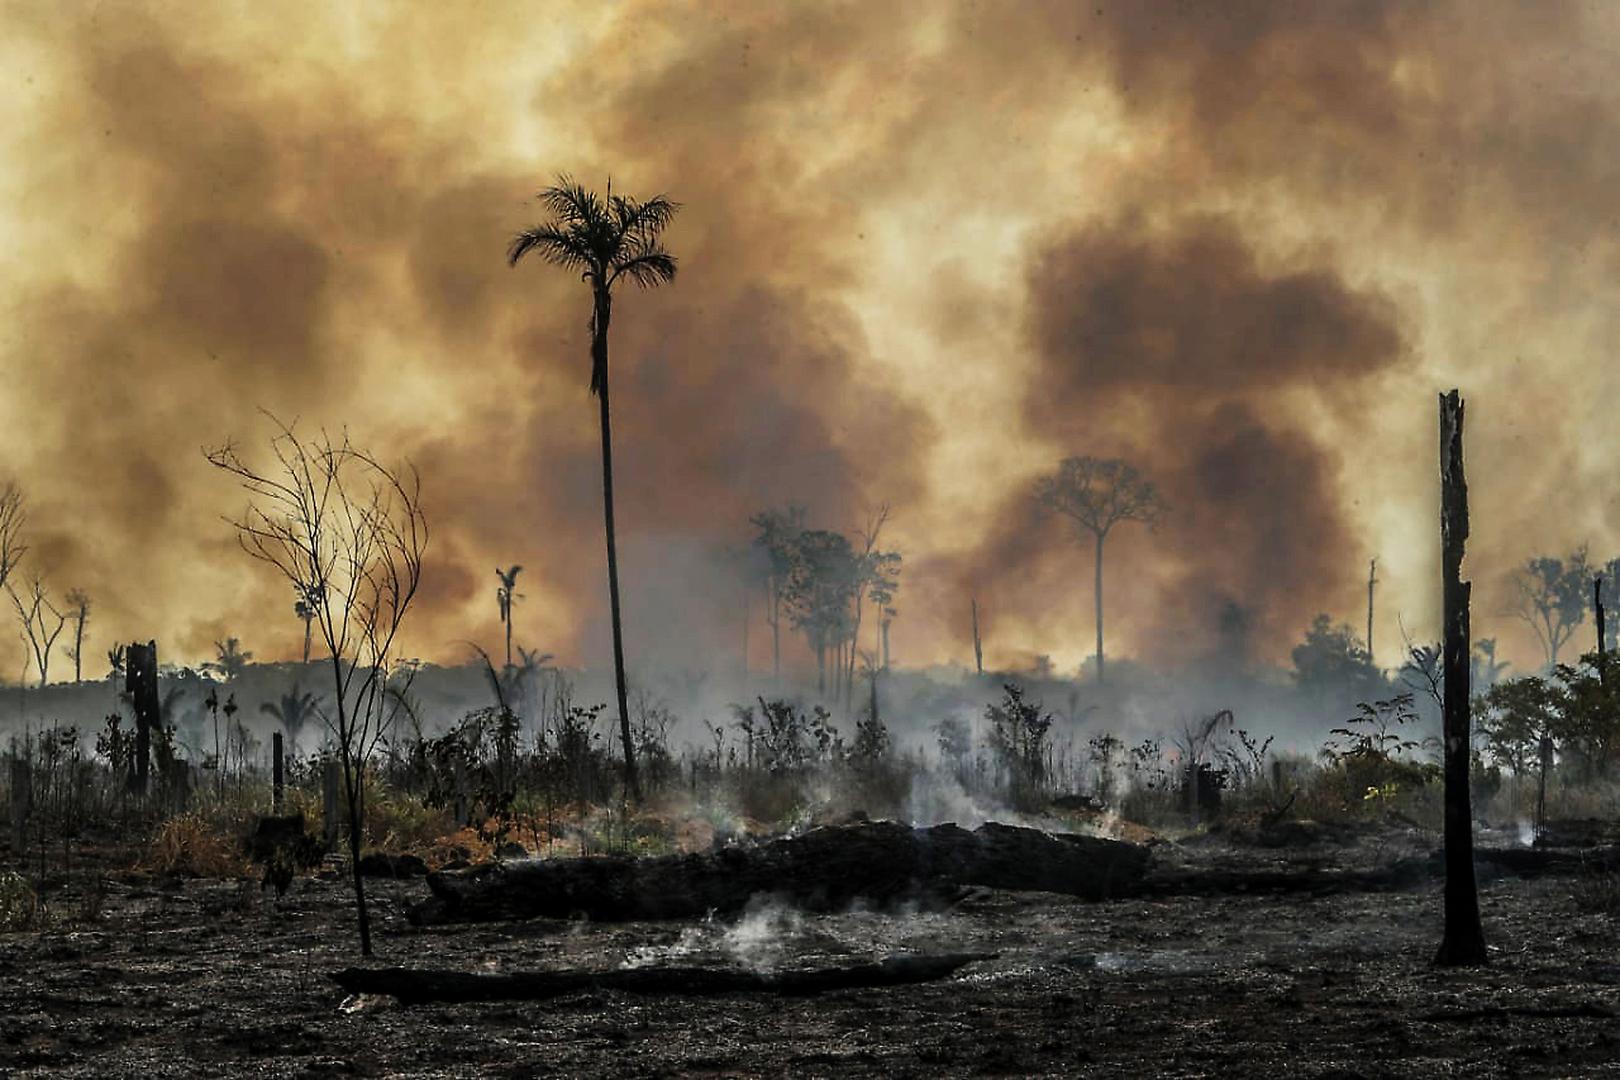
(605, 239)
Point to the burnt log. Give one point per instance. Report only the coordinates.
(414, 986)
(827, 868)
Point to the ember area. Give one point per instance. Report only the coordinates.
(1301, 970)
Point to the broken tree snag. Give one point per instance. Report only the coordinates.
(415, 986)
(140, 682)
(1464, 940)
(978, 643)
(824, 869)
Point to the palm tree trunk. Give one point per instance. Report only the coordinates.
(1097, 592)
(599, 354)
(508, 621)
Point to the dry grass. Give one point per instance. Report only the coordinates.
(192, 846)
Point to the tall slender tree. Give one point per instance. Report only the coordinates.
(607, 240)
(505, 594)
(79, 611)
(1097, 494)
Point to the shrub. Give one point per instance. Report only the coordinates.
(19, 903)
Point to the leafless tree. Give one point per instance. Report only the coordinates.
(13, 516)
(349, 531)
(1097, 494)
(42, 623)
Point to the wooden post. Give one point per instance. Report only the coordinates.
(329, 802)
(140, 682)
(276, 773)
(22, 805)
(1464, 940)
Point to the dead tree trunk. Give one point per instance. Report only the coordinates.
(978, 644)
(1597, 610)
(140, 682)
(413, 986)
(329, 803)
(1464, 940)
(22, 804)
(824, 869)
(276, 772)
(1372, 582)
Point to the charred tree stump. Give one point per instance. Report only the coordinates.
(140, 683)
(824, 869)
(277, 772)
(22, 803)
(1464, 939)
(329, 803)
(415, 986)
(978, 643)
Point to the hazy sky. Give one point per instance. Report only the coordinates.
(927, 249)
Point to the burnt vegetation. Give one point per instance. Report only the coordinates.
(792, 742)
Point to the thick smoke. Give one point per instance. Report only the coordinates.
(924, 255)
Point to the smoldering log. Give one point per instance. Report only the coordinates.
(414, 986)
(826, 868)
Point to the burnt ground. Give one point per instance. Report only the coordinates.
(187, 978)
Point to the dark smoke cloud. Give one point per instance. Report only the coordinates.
(1214, 238)
(1175, 349)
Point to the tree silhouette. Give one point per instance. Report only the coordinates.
(778, 537)
(292, 711)
(606, 240)
(78, 602)
(1097, 494)
(338, 524)
(42, 623)
(1552, 596)
(230, 660)
(13, 516)
(305, 607)
(504, 595)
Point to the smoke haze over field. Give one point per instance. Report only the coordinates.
(926, 251)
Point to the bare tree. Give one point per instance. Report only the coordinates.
(341, 526)
(608, 241)
(42, 623)
(1551, 599)
(13, 516)
(1097, 494)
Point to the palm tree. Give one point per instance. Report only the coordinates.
(607, 240)
(504, 595)
(292, 712)
(232, 660)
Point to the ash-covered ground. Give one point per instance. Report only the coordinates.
(192, 978)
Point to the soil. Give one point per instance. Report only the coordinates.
(201, 977)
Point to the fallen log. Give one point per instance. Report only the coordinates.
(828, 868)
(414, 986)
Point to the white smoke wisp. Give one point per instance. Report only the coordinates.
(760, 939)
